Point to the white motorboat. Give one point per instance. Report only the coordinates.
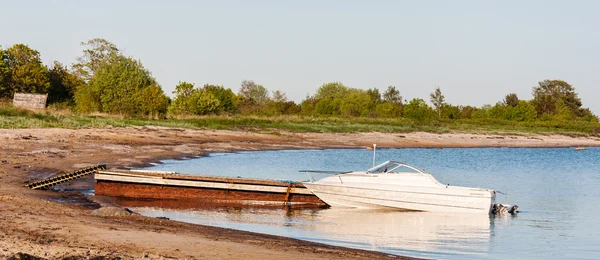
(401, 186)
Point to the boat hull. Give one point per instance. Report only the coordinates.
(442, 199)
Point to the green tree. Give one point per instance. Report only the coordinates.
(562, 111)
(511, 100)
(375, 95)
(87, 99)
(498, 111)
(279, 105)
(26, 72)
(63, 84)
(183, 104)
(481, 112)
(451, 112)
(254, 93)
(4, 73)
(387, 109)
(438, 101)
(290, 108)
(205, 102)
(329, 98)
(392, 95)
(356, 103)
(193, 101)
(467, 111)
(523, 111)
(308, 105)
(328, 106)
(97, 54)
(153, 101)
(331, 90)
(548, 93)
(417, 109)
(279, 96)
(118, 83)
(227, 99)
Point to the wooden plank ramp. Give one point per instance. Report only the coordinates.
(65, 177)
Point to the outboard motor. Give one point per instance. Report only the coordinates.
(502, 209)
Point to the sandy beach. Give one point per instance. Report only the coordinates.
(42, 224)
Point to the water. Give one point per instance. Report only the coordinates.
(556, 189)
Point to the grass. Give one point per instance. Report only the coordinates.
(11, 117)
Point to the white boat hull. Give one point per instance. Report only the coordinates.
(435, 199)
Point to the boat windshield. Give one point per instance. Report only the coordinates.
(394, 167)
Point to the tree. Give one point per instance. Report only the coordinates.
(451, 112)
(254, 93)
(375, 95)
(356, 103)
(183, 103)
(99, 52)
(279, 105)
(331, 90)
(523, 111)
(387, 109)
(392, 95)
(118, 83)
(25, 71)
(481, 112)
(193, 101)
(4, 73)
(63, 84)
(417, 109)
(499, 111)
(290, 108)
(328, 106)
(279, 96)
(467, 111)
(153, 101)
(438, 101)
(227, 99)
(548, 93)
(205, 102)
(511, 100)
(308, 105)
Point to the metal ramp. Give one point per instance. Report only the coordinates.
(65, 177)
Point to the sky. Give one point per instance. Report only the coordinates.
(475, 51)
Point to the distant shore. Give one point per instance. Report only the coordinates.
(34, 223)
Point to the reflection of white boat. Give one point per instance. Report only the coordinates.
(398, 185)
(402, 232)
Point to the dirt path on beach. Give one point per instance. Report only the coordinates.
(37, 224)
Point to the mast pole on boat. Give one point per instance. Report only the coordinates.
(374, 150)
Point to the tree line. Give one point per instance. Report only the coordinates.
(105, 80)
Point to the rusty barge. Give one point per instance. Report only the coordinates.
(196, 190)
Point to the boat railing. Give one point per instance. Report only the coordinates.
(391, 166)
(411, 167)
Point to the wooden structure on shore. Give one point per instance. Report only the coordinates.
(65, 177)
(226, 190)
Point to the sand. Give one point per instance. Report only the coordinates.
(42, 224)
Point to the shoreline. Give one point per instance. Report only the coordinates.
(35, 224)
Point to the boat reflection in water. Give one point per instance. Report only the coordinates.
(424, 234)
(419, 232)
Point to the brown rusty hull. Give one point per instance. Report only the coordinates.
(201, 195)
(186, 204)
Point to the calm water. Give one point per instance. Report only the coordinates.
(558, 191)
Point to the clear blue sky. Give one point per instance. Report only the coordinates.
(476, 51)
